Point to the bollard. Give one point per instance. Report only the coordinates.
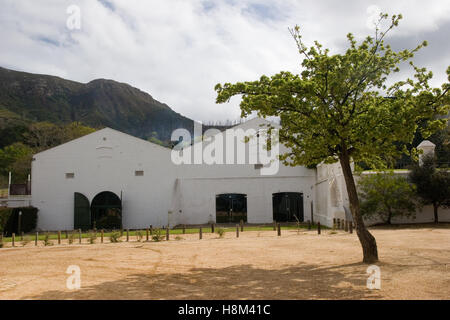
(346, 226)
(309, 225)
(351, 227)
(237, 231)
(59, 237)
(279, 229)
(128, 234)
(146, 234)
(334, 223)
(102, 233)
(318, 227)
(13, 239)
(36, 239)
(79, 235)
(167, 234)
(212, 227)
(200, 233)
(242, 225)
(184, 229)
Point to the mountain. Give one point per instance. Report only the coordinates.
(99, 103)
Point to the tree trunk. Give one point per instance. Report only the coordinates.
(435, 209)
(368, 243)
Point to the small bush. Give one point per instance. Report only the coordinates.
(26, 240)
(92, 237)
(221, 232)
(47, 241)
(70, 237)
(115, 237)
(139, 235)
(157, 235)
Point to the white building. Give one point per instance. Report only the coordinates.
(109, 178)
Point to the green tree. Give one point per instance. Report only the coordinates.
(433, 185)
(340, 108)
(386, 195)
(16, 159)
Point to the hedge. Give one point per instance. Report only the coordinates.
(9, 220)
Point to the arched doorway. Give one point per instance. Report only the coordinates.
(106, 211)
(82, 212)
(287, 206)
(231, 207)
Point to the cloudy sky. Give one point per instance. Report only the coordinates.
(177, 50)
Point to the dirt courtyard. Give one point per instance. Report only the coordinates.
(414, 264)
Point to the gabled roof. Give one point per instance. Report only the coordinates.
(106, 129)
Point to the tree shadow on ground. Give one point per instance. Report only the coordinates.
(410, 226)
(303, 281)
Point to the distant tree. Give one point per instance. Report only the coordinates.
(386, 195)
(433, 185)
(340, 108)
(16, 159)
(74, 130)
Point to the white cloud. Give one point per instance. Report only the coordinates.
(178, 50)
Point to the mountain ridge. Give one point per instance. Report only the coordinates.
(97, 103)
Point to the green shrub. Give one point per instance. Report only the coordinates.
(157, 235)
(221, 232)
(92, 237)
(26, 240)
(115, 237)
(70, 237)
(47, 241)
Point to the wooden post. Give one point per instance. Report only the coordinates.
(351, 227)
(151, 230)
(184, 229)
(167, 233)
(279, 229)
(200, 233)
(102, 234)
(318, 227)
(242, 225)
(334, 223)
(13, 239)
(59, 237)
(36, 239)
(237, 231)
(309, 225)
(79, 235)
(128, 234)
(146, 234)
(212, 227)
(338, 223)
(346, 226)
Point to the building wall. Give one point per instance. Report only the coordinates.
(167, 194)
